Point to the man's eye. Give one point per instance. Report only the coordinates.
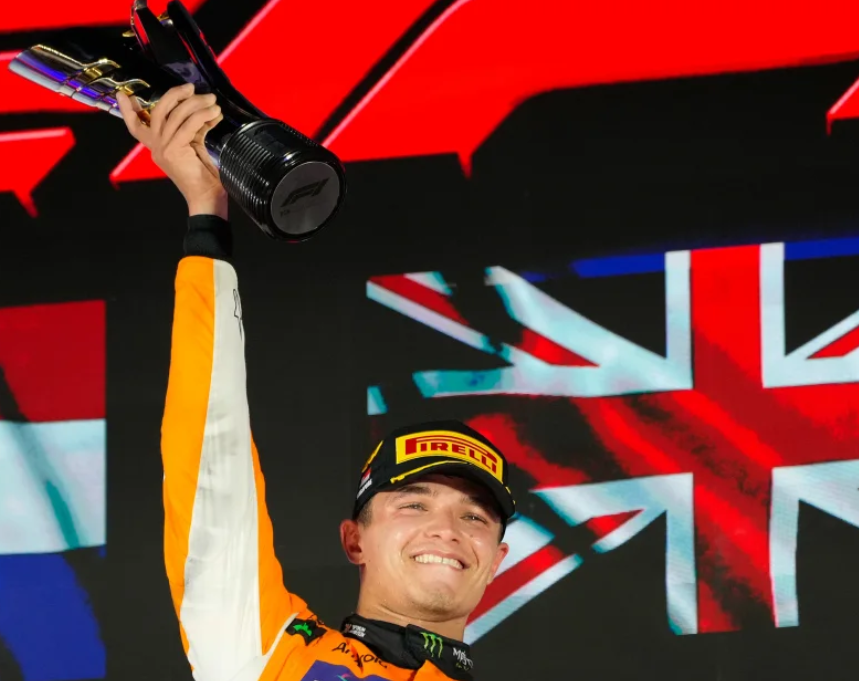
(472, 516)
(416, 505)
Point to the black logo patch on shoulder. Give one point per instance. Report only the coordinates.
(309, 630)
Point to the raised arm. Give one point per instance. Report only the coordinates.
(225, 580)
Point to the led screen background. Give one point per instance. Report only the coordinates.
(628, 255)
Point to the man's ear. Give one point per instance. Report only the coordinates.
(500, 555)
(350, 539)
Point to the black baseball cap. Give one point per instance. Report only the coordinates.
(448, 447)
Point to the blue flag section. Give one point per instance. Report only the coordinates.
(48, 620)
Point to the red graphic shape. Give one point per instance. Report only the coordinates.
(19, 95)
(845, 108)
(53, 360)
(482, 58)
(54, 14)
(320, 67)
(26, 158)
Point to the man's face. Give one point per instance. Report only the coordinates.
(431, 547)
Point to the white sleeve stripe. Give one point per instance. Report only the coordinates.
(220, 611)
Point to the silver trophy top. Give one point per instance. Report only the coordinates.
(93, 83)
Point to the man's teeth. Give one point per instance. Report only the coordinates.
(430, 558)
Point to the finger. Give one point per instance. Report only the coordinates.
(167, 103)
(142, 113)
(129, 115)
(200, 137)
(181, 113)
(199, 145)
(191, 127)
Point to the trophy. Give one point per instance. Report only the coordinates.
(287, 183)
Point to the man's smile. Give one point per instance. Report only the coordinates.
(439, 559)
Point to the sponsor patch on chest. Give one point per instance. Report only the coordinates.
(325, 671)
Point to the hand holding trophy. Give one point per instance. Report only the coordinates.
(175, 134)
(288, 184)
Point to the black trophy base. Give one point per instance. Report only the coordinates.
(289, 185)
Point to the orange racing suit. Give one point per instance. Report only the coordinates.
(237, 620)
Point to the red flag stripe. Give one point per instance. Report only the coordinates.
(531, 342)
(549, 351)
(420, 294)
(503, 432)
(53, 359)
(508, 582)
(840, 347)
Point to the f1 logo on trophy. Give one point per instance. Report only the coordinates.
(288, 184)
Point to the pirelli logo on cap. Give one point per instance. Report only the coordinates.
(453, 445)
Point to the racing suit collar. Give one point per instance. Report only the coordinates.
(410, 646)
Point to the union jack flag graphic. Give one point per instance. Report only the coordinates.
(703, 402)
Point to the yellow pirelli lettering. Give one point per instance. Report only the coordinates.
(453, 445)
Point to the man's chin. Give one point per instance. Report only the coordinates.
(437, 595)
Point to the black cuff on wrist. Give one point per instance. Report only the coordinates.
(210, 236)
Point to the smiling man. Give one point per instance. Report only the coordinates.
(429, 516)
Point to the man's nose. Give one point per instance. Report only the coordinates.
(443, 524)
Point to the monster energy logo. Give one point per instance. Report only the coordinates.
(431, 642)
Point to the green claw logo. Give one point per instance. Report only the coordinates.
(303, 627)
(431, 642)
